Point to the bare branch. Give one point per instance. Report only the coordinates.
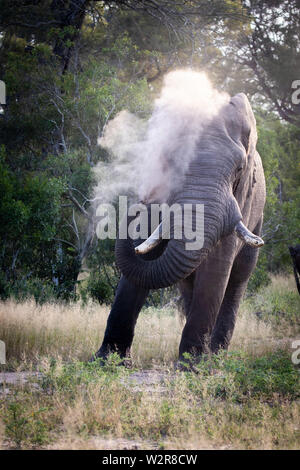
(65, 241)
(70, 196)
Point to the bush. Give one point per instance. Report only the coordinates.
(20, 290)
(100, 286)
(260, 276)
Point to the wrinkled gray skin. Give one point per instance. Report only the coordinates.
(227, 177)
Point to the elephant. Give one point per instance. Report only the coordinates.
(226, 175)
(295, 254)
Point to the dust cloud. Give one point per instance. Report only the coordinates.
(149, 159)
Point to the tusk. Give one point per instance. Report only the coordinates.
(248, 237)
(151, 242)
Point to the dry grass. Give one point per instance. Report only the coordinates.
(252, 334)
(244, 399)
(32, 332)
(73, 332)
(70, 332)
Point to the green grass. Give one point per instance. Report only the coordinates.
(240, 376)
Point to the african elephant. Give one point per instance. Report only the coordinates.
(295, 254)
(226, 175)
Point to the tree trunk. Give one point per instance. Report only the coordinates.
(70, 15)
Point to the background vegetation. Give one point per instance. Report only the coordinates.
(70, 66)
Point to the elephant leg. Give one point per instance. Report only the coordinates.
(210, 283)
(124, 313)
(186, 289)
(121, 322)
(241, 271)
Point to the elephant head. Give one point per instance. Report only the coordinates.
(222, 162)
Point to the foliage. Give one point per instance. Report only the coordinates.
(276, 304)
(57, 119)
(70, 68)
(24, 424)
(238, 375)
(279, 147)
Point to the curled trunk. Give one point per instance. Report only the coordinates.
(221, 214)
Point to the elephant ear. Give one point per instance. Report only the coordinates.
(242, 123)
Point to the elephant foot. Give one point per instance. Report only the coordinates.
(219, 343)
(112, 355)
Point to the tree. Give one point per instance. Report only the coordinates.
(69, 67)
(279, 148)
(266, 55)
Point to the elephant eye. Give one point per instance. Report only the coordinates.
(241, 165)
(238, 172)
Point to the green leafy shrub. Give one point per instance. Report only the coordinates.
(24, 425)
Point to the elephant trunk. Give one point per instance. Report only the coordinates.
(221, 216)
